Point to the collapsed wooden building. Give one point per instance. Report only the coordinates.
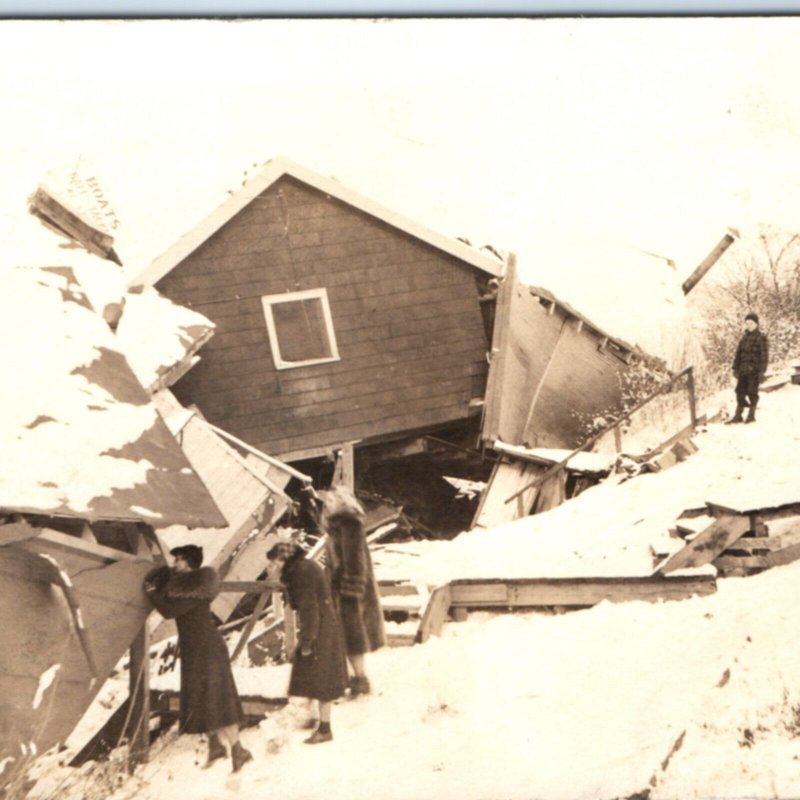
(109, 473)
(93, 471)
(341, 325)
(338, 321)
(552, 374)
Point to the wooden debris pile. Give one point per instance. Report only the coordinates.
(736, 543)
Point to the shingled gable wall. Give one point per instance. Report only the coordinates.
(406, 317)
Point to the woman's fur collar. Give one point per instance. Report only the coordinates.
(292, 562)
(202, 583)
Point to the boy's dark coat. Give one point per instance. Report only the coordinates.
(752, 355)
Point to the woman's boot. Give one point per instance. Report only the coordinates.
(240, 756)
(215, 749)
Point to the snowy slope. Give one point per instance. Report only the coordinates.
(689, 699)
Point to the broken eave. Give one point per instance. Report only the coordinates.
(544, 294)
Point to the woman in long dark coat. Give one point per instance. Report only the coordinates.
(355, 590)
(209, 700)
(319, 669)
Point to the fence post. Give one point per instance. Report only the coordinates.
(139, 698)
(692, 402)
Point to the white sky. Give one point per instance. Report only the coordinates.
(536, 136)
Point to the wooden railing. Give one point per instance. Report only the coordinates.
(615, 425)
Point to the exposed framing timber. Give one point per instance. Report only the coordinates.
(574, 592)
(435, 614)
(66, 543)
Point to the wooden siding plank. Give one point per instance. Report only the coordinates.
(321, 420)
(376, 428)
(375, 365)
(338, 399)
(398, 391)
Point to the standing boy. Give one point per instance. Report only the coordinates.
(749, 367)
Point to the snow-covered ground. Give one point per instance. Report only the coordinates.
(689, 699)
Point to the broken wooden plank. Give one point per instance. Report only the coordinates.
(663, 461)
(726, 562)
(248, 562)
(552, 493)
(506, 478)
(684, 448)
(246, 587)
(435, 614)
(582, 462)
(706, 546)
(253, 706)
(749, 545)
(379, 533)
(409, 604)
(137, 729)
(271, 460)
(705, 265)
(784, 556)
(248, 629)
(575, 592)
(387, 588)
(763, 499)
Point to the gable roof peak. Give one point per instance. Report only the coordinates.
(273, 170)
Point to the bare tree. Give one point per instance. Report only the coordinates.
(764, 278)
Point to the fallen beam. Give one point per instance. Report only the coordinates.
(708, 544)
(253, 707)
(578, 592)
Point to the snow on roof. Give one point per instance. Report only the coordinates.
(580, 462)
(277, 168)
(77, 430)
(156, 335)
(632, 293)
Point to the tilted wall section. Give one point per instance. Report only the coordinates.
(406, 318)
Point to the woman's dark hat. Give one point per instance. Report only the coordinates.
(192, 554)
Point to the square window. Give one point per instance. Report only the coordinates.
(300, 328)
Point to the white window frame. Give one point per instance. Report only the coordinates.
(270, 300)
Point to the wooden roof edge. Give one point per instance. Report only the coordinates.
(273, 170)
(550, 297)
(526, 454)
(255, 452)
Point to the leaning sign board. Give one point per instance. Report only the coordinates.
(74, 204)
